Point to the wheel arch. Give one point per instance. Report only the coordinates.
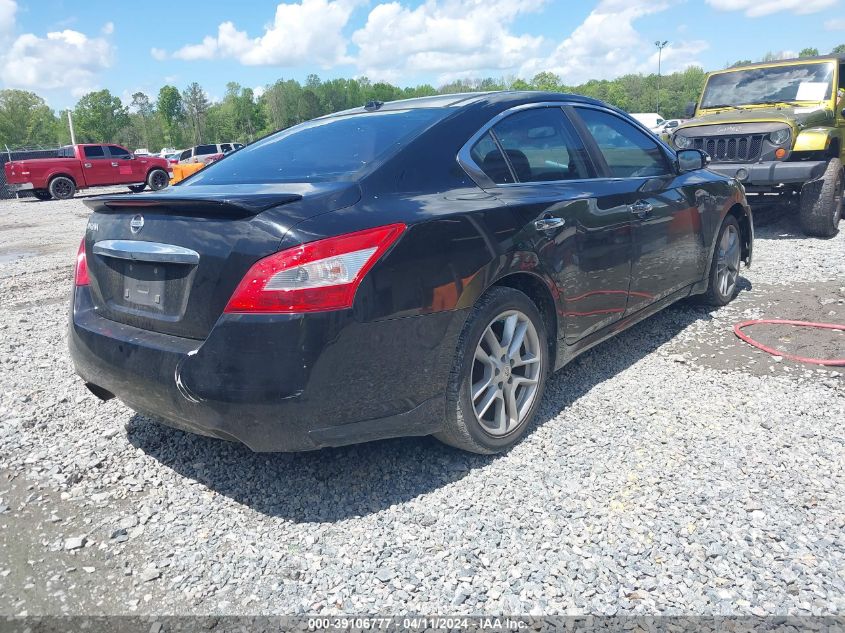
(539, 291)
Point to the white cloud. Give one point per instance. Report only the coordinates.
(158, 54)
(66, 60)
(307, 32)
(440, 35)
(836, 24)
(63, 59)
(8, 8)
(607, 45)
(758, 8)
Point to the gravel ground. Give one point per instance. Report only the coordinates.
(668, 473)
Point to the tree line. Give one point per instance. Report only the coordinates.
(184, 118)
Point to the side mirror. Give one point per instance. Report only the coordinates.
(690, 109)
(692, 159)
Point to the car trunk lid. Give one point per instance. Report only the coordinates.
(168, 262)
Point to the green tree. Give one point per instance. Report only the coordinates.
(100, 117)
(169, 107)
(26, 120)
(740, 62)
(838, 50)
(546, 81)
(196, 105)
(808, 52)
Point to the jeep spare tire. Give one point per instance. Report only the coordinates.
(821, 202)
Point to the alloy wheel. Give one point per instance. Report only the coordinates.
(727, 264)
(505, 373)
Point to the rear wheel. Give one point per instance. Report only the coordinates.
(158, 179)
(62, 188)
(821, 202)
(724, 269)
(137, 188)
(42, 194)
(499, 373)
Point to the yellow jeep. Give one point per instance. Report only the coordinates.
(777, 127)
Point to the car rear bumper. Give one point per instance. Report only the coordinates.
(20, 186)
(771, 173)
(277, 382)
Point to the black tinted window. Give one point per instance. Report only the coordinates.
(185, 155)
(540, 146)
(225, 147)
(119, 152)
(206, 149)
(334, 148)
(94, 151)
(487, 155)
(628, 152)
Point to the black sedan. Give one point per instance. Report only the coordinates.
(408, 268)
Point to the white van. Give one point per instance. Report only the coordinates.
(651, 120)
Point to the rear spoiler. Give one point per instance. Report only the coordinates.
(201, 204)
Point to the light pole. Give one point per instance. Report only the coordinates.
(660, 46)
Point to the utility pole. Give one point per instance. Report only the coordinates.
(660, 46)
(70, 124)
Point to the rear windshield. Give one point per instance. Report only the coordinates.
(336, 148)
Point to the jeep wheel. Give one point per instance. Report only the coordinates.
(62, 188)
(821, 202)
(42, 194)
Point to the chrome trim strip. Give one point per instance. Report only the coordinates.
(146, 252)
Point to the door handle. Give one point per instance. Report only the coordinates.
(114, 164)
(548, 224)
(88, 165)
(641, 208)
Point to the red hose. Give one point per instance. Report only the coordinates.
(815, 361)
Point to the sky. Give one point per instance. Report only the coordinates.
(62, 49)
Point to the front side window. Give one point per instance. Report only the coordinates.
(541, 147)
(327, 149)
(119, 152)
(185, 155)
(773, 84)
(94, 151)
(628, 152)
(225, 147)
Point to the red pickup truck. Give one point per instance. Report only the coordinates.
(83, 166)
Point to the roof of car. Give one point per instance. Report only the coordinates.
(462, 99)
(840, 57)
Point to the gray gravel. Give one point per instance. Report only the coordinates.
(656, 481)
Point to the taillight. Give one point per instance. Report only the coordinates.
(313, 277)
(81, 275)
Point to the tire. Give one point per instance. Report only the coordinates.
(62, 188)
(821, 202)
(158, 179)
(42, 194)
(463, 428)
(137, 188)
(726, 255)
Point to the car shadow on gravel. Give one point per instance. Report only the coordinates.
(338, 483)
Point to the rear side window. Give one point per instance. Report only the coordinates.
(333, 148)
(94, 151)
(628, 152)
(225, 147)
(541, 147)
(206, 149)
(185, 155)
(119, 152)
(488, 156)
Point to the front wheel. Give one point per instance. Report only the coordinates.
(724, 268)
(821, 202)
(158, 179)
(498, 375)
